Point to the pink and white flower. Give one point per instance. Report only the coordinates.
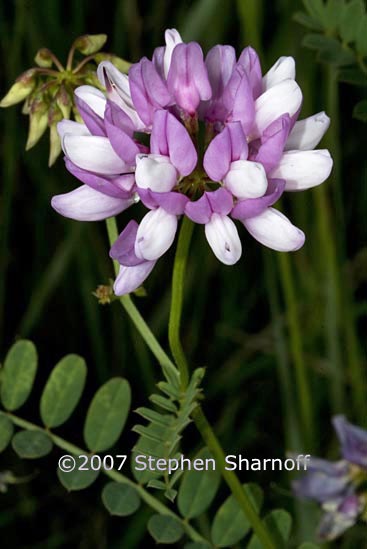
(224, 144)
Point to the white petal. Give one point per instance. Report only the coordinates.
(303, 169)
(93, 153)
(285, 97)
(172, 37)
(246, 179)
(222, 236)
(275, 231)
(118, 90)
(72, 127)
(282, 69)
(307, 134)
(87, 204)
(130, 278)
(93, 97)
(155, 172)
(155, 234)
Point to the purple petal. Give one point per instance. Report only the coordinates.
(252, 207)
(122, 143)
(220, 62)
(221, 201)
(217, 158)
(200, 210)
(324, 480)
(170, 138)
(110, 186)
(239, 144)
(93, 122)
(251, 63)
(187, 78)
(123, 248)
(272, 143)
(130, 278)
(86, 204)
(172, 202)
(353, 440)
(336, 522)
(93, 153)
(148, 91)
(238, 99)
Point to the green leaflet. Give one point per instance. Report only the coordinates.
(279, 523)
(197, 489)
(63, 390)
(161, 437)
(77, 479)
(31, 444)
(6, 431)
(230, 525)
(107, 414)
(18, 374)
(120, 499)
(165, 529)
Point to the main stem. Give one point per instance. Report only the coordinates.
(178, 279)
(198, 415)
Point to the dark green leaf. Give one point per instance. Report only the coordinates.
(63, 390)
(198, 488)
(361, 42)
(120, 499)
(197, 545)
(316, 8)
(6, 431)
(32, 444)
(353, 76)
(77, 479)
(107, 415)
(307, 21)
(165, 529)
(360, 110)
(330, 50)
(333, 13)
(308, 545)
(279, 524)
(18, 374)
(230, 524)
(353, 14)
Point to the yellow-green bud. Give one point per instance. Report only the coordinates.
(20, 90)
(38, 121)
(63, 101)
(55, 145)
(119, 63)
(90, 43)
(44, 58)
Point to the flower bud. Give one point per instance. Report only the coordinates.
(20, 90)
(38, 121)
(63, 101)
(90, 43)
(43, 58)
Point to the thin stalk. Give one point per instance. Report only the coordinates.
(150, 500)
(135, 315)
(231, 479)
(200, 420)
(296, 347)
(178, 280)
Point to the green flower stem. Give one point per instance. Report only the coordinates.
(178, 279)
(136, 317)
(201, 422)
(231, 479)
(296, 344)
(150, 500)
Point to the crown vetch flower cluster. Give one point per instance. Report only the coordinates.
(221, 144)
(340, 487)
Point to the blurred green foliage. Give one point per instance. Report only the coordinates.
(259, 327)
